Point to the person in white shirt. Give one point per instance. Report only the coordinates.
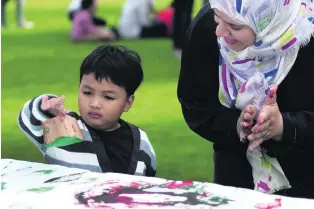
(135, 21)
(75, 5)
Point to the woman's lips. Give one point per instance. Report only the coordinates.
(231, 41)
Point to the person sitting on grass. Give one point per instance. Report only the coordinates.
(109, 77)
(138, 20)
(75, 5)
(83, 28)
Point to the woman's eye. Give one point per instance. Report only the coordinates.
(236, 28)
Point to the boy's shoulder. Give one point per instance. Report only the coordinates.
(132, 125)
(136, 129)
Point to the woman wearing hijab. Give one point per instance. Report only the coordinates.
(246, 85)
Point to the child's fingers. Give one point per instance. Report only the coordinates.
(44, 99)
(44, 102)
(57, 101)
(61, 112)
(61, 99)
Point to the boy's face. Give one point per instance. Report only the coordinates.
(102, 103)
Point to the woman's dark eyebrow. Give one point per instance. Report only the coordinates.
(232, 25)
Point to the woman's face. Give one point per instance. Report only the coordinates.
(237, 36)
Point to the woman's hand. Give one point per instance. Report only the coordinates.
(246, 122)
(269, 122)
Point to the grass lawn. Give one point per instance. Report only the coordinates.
(43, 60)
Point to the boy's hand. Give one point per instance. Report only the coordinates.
(53, 106)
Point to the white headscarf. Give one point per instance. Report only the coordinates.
(281, 28)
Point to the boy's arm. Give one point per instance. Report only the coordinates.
(30, 118)
(147, 148)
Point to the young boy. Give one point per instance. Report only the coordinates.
(109, 77)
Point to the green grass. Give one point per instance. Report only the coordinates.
(43, 60)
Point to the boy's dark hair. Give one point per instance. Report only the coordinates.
(116, 64)
(86, 4)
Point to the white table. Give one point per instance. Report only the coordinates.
(28, 185)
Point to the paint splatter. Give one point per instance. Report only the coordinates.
(40, 189)
(273, 205)
(44, 171)
(67, 178)
(3, 185)
(168, 194)
(263, 186)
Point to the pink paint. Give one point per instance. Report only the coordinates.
(275, 204)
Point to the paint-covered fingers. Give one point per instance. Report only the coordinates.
(53, 106)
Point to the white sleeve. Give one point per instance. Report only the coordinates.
(147, 147)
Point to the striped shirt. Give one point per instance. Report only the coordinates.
(90, 153)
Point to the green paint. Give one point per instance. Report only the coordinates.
(40, 189)
(64, 141)
(3, 185)
(265, 163)
(92, 179)
(216, 200)
(44, 171)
